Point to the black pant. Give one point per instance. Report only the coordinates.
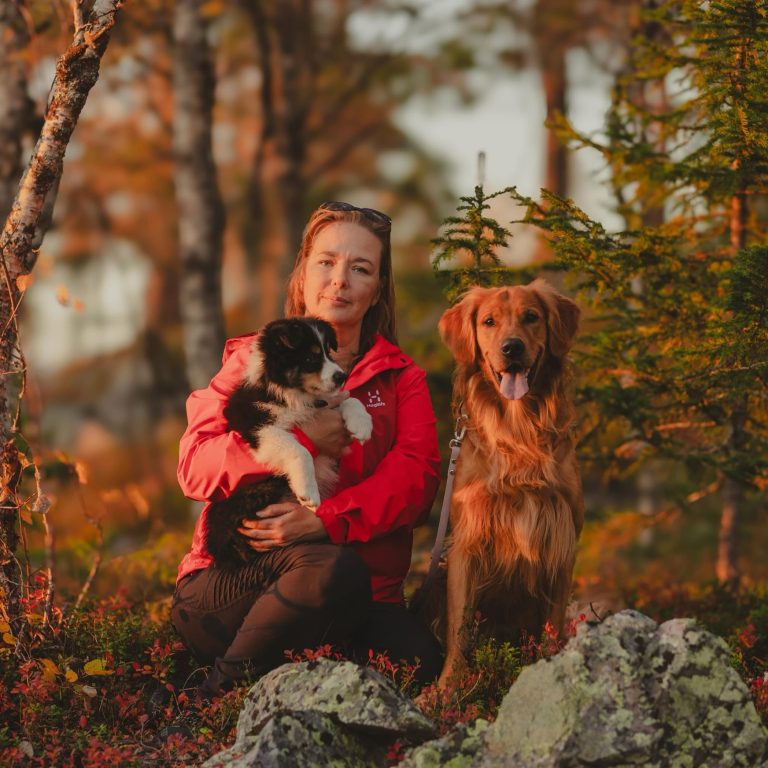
(292, 598)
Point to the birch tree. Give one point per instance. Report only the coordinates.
(200, 209)
(77, 71)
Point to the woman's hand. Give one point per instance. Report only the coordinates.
(278, 525)
(327, 431)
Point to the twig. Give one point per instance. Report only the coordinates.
(77, 14)
(600, 618)
(94, 569)
(50, 563)
(99, 550)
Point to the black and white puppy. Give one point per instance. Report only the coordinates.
(289, 375)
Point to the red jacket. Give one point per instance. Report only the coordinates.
(386, 487)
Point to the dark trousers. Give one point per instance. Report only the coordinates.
(293, 598)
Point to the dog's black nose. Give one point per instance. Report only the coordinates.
(339, 378)
(513, 347)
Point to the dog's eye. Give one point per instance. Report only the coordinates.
(530, 316)
(489, 321)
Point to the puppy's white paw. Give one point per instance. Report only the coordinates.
(356, 419)
(308, 495)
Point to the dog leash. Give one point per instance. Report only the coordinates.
(455, 444)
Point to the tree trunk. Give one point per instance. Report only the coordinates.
(200, 209)
(15, 105)
(727, 565)
(76, 73)
(277, 186)
(554, 83)
(555, 89)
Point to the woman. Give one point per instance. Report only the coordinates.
(334, 575)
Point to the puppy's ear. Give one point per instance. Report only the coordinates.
(283, 333)
(562, 317)
(326, 329)
(457, 326)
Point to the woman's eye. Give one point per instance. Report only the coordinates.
(362, 270)
(488, 321)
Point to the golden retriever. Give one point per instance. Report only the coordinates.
(517, 506)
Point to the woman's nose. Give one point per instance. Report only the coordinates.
(339, 276)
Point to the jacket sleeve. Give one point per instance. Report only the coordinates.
(214, 461)
(401, 489)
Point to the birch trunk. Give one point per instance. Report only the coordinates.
(76, 73)
(200, 209)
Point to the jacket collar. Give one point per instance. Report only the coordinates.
(382, 356)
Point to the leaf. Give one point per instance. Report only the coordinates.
(50, 670)
(88, 690)
(26, 748)
(23, 282)
(81, 470)
(4, 626)
(97, 667)
(42, 504)
(9, 639)
(71, 676)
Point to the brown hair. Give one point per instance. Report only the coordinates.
(380, 317)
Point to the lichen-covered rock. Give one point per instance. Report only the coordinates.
(457, 749)
(322, 713)
(355, 696)
(629, 693)
(301, 740)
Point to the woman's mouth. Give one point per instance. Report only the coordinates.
(337, 300)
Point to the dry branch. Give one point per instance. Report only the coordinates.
(77, 70)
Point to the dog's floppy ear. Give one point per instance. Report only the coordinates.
(327, 332)
(562, 317)
(457, 326)
(283, 333)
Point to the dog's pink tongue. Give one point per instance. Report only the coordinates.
(513, 385)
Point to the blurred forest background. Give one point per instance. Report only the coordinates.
(214, 129)
(211, 130)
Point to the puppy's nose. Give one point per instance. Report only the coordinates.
(513, 347)
(339, 378)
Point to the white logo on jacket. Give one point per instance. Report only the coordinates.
(374, 399)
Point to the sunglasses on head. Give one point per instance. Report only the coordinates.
(370, 213)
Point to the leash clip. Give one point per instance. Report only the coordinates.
(459, 430)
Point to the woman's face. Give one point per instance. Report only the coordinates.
(341, 275)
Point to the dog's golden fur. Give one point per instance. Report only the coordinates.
(517, 507)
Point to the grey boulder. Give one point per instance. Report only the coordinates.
(628, 692)
(322, 713)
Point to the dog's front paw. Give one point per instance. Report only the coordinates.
(356, 419)
(308, 495)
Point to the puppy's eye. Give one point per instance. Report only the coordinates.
(529, 316)
(489, 321)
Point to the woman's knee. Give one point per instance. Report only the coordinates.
(349, 579)
(340, 577)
